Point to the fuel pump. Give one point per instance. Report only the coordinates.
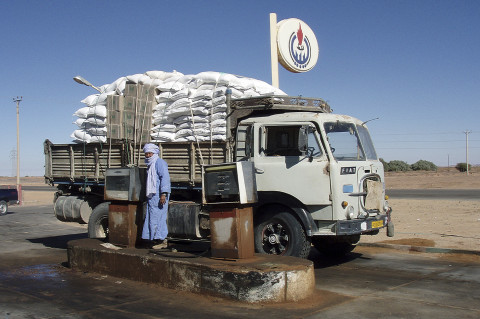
(229, 190)
(125, 189)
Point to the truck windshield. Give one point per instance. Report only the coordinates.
(367, 143)
(344, 141)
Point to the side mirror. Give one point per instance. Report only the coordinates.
(303, 139)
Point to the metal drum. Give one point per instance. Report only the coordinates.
(69, 210)
(72, 209)
(83, 210)
(58, 208)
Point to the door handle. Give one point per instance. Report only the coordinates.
(259, 170)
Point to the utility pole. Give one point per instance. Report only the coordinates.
(13, 158)
(19, 187)
(466, 145)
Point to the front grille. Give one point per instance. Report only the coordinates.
(372, 187)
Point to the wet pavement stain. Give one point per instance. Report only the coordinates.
(29, 278)
(40, 272)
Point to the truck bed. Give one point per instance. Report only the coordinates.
(87, 163)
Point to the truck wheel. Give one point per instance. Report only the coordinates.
(336, 246)
(281, 234)
(98, 221)
(3, 207)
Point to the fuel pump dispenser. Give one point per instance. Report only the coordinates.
(229, 190)
(125, 189)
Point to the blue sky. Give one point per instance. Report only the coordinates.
(413, 64)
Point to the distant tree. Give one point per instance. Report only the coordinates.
(398, 166)
(462, 167)
(385, 164)
(423, 165)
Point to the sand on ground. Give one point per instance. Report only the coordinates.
(433, 223)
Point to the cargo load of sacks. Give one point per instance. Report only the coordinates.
(186, 107)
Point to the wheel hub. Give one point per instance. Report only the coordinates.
(273, 239)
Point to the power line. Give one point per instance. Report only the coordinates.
(416, 141)
(410, 148)
(418, 133)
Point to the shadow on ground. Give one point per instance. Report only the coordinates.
(321, 261)
(57, 241)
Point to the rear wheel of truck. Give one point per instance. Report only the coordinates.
(98, 221)
(280, 233)
(3, 207)
(335, 246)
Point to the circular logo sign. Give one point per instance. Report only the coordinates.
(297, 45)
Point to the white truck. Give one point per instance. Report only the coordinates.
(319, 179)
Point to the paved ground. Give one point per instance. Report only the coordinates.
(369, 283)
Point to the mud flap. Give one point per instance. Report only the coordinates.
(390, 229)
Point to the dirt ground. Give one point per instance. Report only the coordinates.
(432, 223)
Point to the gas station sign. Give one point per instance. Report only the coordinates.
(297, 45)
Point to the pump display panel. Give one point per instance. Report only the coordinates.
(125, 184)
(229, 183)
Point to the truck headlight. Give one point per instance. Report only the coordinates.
(350, 212)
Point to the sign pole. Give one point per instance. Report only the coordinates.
(273, 49)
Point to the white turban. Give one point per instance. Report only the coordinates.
(151, 148)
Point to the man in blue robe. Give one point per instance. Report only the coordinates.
(157, 192)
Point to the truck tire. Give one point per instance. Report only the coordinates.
(98, 221)
(335, 246)
(3, 207)
(280, 233)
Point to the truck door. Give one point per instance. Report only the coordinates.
(282, 167)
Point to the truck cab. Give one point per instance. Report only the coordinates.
(319, 181)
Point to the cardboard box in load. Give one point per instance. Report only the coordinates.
(144, 123)
(140, 136)
(129, 103)
(114, 117)
(114, 103)
(114, 131)
(128, 118)
(144, 107)
(119, 132)
(128, 132)
(143, 136)
(147, 92)
(131, 90)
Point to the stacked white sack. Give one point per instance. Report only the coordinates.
(190, 107)
(193, 107)
(91, 118)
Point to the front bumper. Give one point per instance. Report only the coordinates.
(361, 226)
